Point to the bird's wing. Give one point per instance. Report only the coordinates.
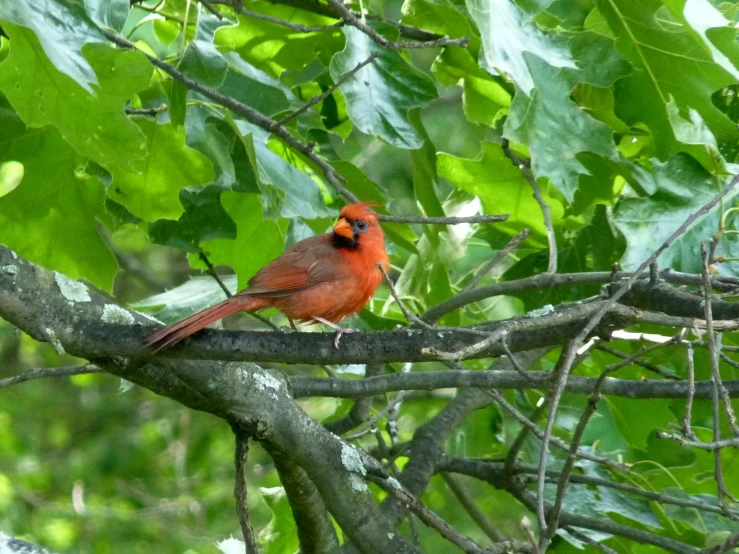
(304, 265)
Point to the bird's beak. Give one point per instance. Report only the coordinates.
(344, 229)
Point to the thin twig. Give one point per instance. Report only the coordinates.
(352, 20)
(566, 472)
(147, 111)
(49, 372)
(428, 517)
(452, 220)
(540, 378)
(712, 446)
(329, 91)
(297, 27)
(718, 387)
(556, 441)
(492, 471)
(575, 344)
(523, 434)
(495, 336)
(471, 507)
(606, 525)
(211, 9)
(637, 361)
(213, 273)
(687, 418)
(714, 341)
(406, 312)
(242, 509)
(546, 212)
(367, 426)
(328, 11)
(587, 540)
(500, 255)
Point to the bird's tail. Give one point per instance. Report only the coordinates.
(172, 334)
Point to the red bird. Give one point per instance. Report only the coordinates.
(322, 279)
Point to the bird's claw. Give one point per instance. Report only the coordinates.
(337, 336)
(339, 330)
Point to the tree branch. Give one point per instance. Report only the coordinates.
(240, 456)
(49, 372)
(316, 531)
(525, 169)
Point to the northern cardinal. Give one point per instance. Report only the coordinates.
(324, 279)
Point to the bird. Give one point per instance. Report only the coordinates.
(320, 279)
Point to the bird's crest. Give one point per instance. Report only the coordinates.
(358, 210)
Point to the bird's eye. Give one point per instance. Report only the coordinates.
(361, 225)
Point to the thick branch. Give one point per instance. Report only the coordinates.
(564, 280)
(494, 379)
(55, 308)
(316, 532)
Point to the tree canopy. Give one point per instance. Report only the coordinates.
(551, 365)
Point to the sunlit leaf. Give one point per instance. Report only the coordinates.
(51, 216)
(152, 193)
(62, 28)
(380, 95)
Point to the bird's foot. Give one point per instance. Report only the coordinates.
(286, 329)
(339, 330)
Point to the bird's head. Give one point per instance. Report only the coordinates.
(357, 225)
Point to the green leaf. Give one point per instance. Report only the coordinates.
(599, 62)
(280, 535)
(204, 63)
(509, 37)
(424, 170)
(213, 138)
(166, 30)
(380, 95)
(696, 138)
(190, 297)
(171, 166)
(287, 190)
(62, 28)
(203, 219)
(656, 42)
(625, 410)
(710, 26)
(358, 183)
(11, 175)
(43, 95)
(268, 99)
(257, 241)
(682, 187)
(109, 13)
(584, 500)
(502, 189)
(484, 98)
(51, 217)
(556, 130)
(442, 18)
(273, 48)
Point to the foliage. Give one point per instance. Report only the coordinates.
(114, 172)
